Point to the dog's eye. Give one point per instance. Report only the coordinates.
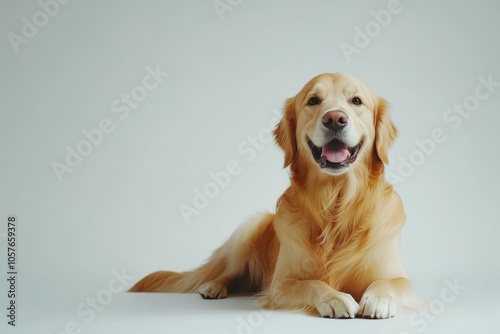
(357, 101)
(313, 101)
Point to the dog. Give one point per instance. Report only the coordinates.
(332, 247)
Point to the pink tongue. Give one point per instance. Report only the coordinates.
(335, 154)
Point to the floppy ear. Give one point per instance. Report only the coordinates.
(385, 131)
(284, 132)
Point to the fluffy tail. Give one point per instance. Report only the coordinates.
(240, 264)
(169, 281)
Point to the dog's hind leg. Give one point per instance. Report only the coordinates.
(237, 266)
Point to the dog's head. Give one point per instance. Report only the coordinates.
(335, 123)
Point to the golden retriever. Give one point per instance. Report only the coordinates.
(332, 248)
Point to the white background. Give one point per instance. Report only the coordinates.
(118, 210)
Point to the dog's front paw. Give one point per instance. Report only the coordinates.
(213, 290)
(337, 305)
(377, 306)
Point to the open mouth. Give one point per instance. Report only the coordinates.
(335, 154)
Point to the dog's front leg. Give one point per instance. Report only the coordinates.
(382, 296)
(300, 294)
(295, 283)
(295, 286)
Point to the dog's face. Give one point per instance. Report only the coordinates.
(335, 123)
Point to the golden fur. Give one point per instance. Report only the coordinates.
(332, 248)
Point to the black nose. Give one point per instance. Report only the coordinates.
(335, 120)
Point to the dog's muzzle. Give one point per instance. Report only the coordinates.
(335, 154)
